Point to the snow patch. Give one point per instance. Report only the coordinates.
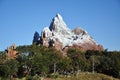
(64, 35)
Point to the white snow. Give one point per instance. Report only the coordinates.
(47, 32)
(65, 35)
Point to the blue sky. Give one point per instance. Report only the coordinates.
(19, 19)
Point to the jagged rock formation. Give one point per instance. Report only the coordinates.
(11, 51)
(61, 37)
(36, 37)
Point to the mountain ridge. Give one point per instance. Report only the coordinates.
(60, 36)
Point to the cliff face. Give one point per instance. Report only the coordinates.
(58, 35)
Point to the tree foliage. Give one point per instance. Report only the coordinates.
(40, 60)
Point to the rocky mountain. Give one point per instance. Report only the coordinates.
(58, 35)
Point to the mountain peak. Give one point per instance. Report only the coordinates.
(58, 24)
(79, 30)
(61, 37)
(59, 16)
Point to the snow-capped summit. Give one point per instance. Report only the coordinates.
(61, 37)
(58, 25)
(59, 16)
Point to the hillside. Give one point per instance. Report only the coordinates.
(32, 60)
(88, 76)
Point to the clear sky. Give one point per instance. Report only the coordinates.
(19, 19)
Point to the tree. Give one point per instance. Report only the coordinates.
(9, 68)
(79, 61)
(64, 66)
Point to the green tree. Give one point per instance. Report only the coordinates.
(79, 61)
(65, 65)
(9, 68)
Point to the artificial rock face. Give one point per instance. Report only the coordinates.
(11, 51)
(58, 35)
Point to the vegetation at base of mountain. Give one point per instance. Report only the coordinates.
(87, 76)
(32, 60)
(81, 76)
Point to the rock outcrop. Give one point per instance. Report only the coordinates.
(58, 35)
(11, 51)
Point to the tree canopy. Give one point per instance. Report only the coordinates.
(43, 61)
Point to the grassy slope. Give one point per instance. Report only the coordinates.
(81, 76)
(88, 76)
